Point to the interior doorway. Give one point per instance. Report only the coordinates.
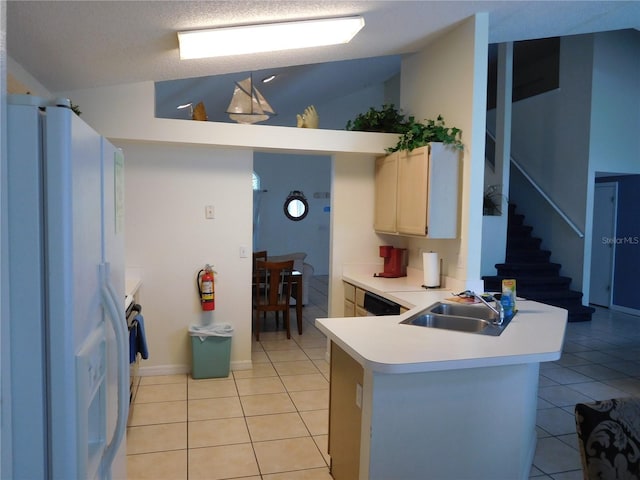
(603, 243)
(279, 176)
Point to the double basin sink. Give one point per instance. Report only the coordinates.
(477, 318)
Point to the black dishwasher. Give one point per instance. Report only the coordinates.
(376, 305)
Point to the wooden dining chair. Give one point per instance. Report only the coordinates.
(276, 294)
(259, 256)
(255, 286)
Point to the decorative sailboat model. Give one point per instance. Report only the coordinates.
(247, 104)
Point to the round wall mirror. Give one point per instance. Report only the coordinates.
(296, 206)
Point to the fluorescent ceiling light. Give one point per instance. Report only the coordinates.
(269, 37)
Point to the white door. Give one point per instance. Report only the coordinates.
(603, 243)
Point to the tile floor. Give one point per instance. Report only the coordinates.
(600, 360)
(270, 422)
(267, 423)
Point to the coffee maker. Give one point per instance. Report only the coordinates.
(395, 261)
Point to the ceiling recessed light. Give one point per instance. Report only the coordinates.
(268, 37)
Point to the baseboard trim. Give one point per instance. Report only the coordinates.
(184, 369)
(630, 311)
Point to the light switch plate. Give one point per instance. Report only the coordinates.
(209, 212)
(358, 395)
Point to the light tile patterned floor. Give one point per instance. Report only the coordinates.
(267, 423)
(600, 360)
(270, 422)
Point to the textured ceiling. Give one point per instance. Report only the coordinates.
(69, 45)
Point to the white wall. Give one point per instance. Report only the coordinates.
(336, 113)
(125, 114)
(5, 399)
(563, 137)
(353, 240)
(614, 146)
(550, 138)
(169, 240)
(280, 174)
(449, 77)
(494, 228)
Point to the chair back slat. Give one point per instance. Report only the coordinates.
(277, 278)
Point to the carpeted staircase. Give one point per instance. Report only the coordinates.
(536, 277)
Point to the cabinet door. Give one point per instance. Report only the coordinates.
(386, 185)
(442, 212)
(349, 309)
(413, 190)
(345, 417)
(349, 300)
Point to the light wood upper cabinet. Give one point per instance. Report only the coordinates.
(417, 192)
(385, 193)
(413, 191)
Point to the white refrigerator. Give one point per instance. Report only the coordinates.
(68, 341)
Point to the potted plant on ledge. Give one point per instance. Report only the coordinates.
(413, 134)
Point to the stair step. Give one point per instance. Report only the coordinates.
(523, 255)
(549, 296)
(582, 314)
(576, 313)
(528, 283)
(519, 231)
(516, 269)
(524, 243)
(515, 219)
(536, 277)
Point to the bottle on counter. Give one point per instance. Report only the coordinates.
(508, 297)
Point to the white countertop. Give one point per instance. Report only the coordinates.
(382, 344)
(131, 286)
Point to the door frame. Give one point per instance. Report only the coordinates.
(614, 213)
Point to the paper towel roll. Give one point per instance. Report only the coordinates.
(431, 269)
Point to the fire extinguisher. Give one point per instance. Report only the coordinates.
(204, 282)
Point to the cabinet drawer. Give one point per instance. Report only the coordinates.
(349, 309)
(349, 292)
(360, 297)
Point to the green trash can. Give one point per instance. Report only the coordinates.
(210, 350)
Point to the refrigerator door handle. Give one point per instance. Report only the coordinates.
(116, 316)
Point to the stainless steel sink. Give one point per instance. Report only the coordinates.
(448, 322)
(461, 318)
(474, 311)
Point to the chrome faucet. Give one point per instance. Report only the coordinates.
(498, 309)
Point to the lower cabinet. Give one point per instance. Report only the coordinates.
(349, 300)
(345, 419)
(385, 426)
(353, 301)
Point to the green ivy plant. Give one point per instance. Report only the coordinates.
(75, 109)
(385, 120)
(418, 134)
(412, 134)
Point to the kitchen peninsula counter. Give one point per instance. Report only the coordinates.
(433, 403)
